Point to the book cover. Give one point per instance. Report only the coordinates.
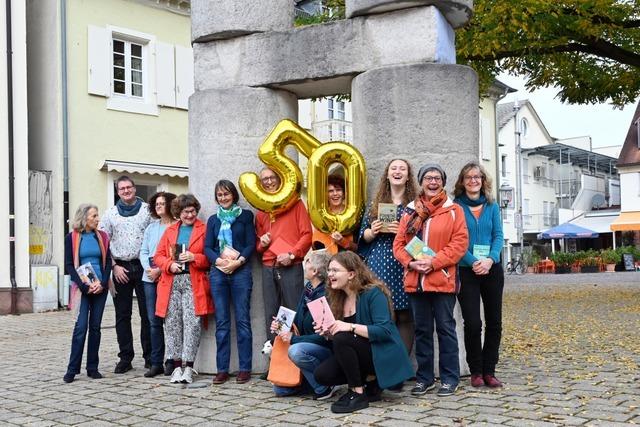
(481, 251)
(87, 274)
(284, 319)
(229, 253)
(280, 246)
(417, 249)
(321, 312)
(386, 215)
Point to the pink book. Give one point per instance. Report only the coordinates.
(321, 313)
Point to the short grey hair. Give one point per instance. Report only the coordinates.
(320, 261)
(80, 218)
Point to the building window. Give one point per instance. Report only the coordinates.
(525, 171)
(336, 109)
(343, 132)
(545, 214)
(503, 165)
(128, 71)
(524, 127)
(525, 211)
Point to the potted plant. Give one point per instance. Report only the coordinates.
(610, 257)
(590, 262)
(562, 261)
(534, 259)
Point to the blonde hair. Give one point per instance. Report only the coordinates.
(79, 222)
(458, 188)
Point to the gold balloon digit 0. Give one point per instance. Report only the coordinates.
(356, 187)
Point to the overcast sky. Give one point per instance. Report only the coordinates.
(606, 125)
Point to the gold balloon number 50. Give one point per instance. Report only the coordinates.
(320, 157)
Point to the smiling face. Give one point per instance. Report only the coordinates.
(473, 182)
(127, 192)
(270, 181)
(339, 276)
(92, 219)
(398, 173)
(432, 183)
(224, 198)
(336, 197)
(188, 215)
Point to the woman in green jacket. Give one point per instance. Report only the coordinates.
(366, 342)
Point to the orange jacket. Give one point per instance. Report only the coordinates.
(198, 269)
(445, 232)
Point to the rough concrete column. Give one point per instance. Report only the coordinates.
(422, 113)
(226, 127)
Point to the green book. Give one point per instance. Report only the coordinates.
(417, 249)
(481, 251)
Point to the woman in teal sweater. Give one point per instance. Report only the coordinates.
(366, 341)
(481, 274)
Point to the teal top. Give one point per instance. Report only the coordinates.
(486, 230)
(184, 235)
(390, 358)
(90, 252)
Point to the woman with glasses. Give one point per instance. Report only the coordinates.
(481, 274)
(368, 353)
(308, 349)
(398, 187)
(229, 244)
(160, 210)
(334, 242)
(436, 229)
(183, 290)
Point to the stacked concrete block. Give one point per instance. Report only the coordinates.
(457, 12)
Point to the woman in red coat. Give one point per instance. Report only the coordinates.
(183, 290)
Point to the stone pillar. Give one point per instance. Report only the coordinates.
(425, 113)
(226, 127)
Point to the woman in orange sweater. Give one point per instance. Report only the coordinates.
(430, 276)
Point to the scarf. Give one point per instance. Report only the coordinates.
(424, 207)
(103, 243)
(227, 217)
(308, 292)
(464, 199)
(129, 210)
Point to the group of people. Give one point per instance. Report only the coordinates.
(384, 296)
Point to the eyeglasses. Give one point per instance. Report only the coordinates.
(432, 178)
(128, 187)
(221, 195)
(191, 211)
(473, 178)
(272, 178)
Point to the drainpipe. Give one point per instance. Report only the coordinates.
(12, 178)
(498, 159)
(65, 114)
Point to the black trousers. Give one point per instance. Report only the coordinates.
(482, 359)
(351, 363)
(123, 304)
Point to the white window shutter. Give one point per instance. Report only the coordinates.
(184, 76)
(486, 140)
(165, 75)
(99, 64)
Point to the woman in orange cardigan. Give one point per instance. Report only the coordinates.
(430, 276)
(183, 290)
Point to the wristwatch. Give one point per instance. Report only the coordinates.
(291, 256)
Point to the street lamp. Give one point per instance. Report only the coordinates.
(506, 196)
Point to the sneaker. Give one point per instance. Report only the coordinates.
(122, 367)
(96, 375)
(350, 402)
(492, 381)
(153, 371)
(243, 377)
(327, 394)
(422, 388)
(221, 378)
(68, 378)
(447, 390)
(476, 380)
(168, 367)
(187, 375)
(176, 377)
(373, 391)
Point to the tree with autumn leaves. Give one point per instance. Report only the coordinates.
(588, 49)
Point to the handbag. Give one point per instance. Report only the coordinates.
(282, 371)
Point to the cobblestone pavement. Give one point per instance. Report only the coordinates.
(571, 356)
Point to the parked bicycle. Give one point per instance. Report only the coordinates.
(515, 266)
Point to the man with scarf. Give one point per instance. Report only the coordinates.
(125, 224)
(430, 277)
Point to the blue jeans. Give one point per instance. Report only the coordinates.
(226, 289)
(89, 318)
(156, 330)
(427, 307)
(307, 356)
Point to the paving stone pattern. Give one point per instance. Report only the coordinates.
(571, 356)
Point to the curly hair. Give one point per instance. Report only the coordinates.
(182, 202)
(363, 281)
(459, 189)
(383, 195)
(168, 199)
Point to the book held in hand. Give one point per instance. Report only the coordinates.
(284, 320)
(386, 215)
(321, 313)
(419, 250)
(228, 253)
(481, 251)
(87, 274)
